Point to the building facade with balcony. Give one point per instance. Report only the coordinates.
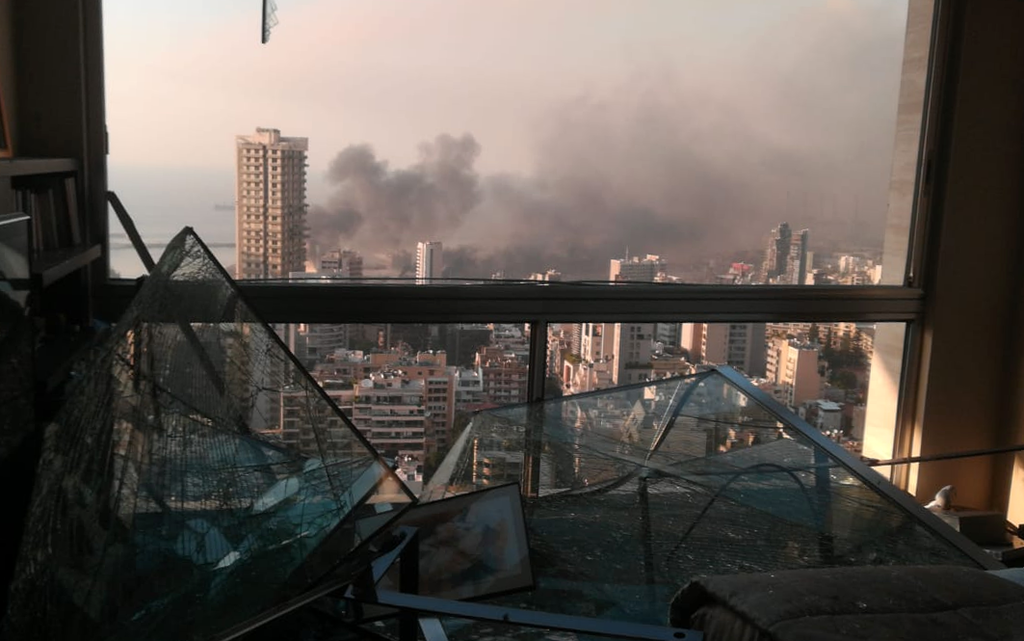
(429, 261)
(270, 204)
(388, 409)
(505, 376)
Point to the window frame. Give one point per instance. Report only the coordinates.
(543, 303)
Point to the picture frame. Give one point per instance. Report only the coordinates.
(472, 546)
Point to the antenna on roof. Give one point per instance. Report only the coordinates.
(269, 20)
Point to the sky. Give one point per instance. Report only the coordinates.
(524, 134)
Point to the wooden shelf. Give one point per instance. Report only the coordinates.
(35, 166)
(51, 266)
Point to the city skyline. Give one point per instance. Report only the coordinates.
(405, 396)
(699, 323)
(603, 146)
(410, 388)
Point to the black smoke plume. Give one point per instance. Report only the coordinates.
(657, 164)
(395, 208)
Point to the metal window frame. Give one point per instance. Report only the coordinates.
(866, 474)
(540, 304)
(338, 302)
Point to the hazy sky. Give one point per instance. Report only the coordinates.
(711, 88)
(183, 77)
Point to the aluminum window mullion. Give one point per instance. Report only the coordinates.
(538, 365)
(334, 303)
(294, 302)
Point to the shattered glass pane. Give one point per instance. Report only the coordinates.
(16, 338)
(16, 342)
(175, 499)
(632, 492)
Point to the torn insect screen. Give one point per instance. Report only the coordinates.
(195, 477)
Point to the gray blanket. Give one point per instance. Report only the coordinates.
(841, 604)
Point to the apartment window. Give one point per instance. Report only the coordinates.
(735, 179)
(706, 197)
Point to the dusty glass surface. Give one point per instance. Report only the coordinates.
(637, 490)
(14, 248)
(176, 496)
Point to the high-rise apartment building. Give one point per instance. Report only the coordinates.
(739, 345)
(787, 259)
(342, 263)
(596, 342)
(462, 341)
(644, 270)
(551, 275)
(633, 349)
(323, 339)
(799, 262)
(429, 261)
(633, 343)
(778, 252)
(576, 338)
(270, 204)
(591, 364)
(668, 334)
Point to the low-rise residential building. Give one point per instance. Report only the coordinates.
(794, 368)
(512, 339)
(342, 263)
(632, 347)
(469, 389)
(496, 466)
(636, 269)
(389, 411)
(505, 375)
(549, 276)
(359, 382)
(739, 345)
(826, 415)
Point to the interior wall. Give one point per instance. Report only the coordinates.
(884, 386)
(48, 47)
(967, 383)
(1012, 465)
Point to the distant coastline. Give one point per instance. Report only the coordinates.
(125, 262)
(114, 246)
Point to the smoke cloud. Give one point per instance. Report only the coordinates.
(397, 207)
(689, 165)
